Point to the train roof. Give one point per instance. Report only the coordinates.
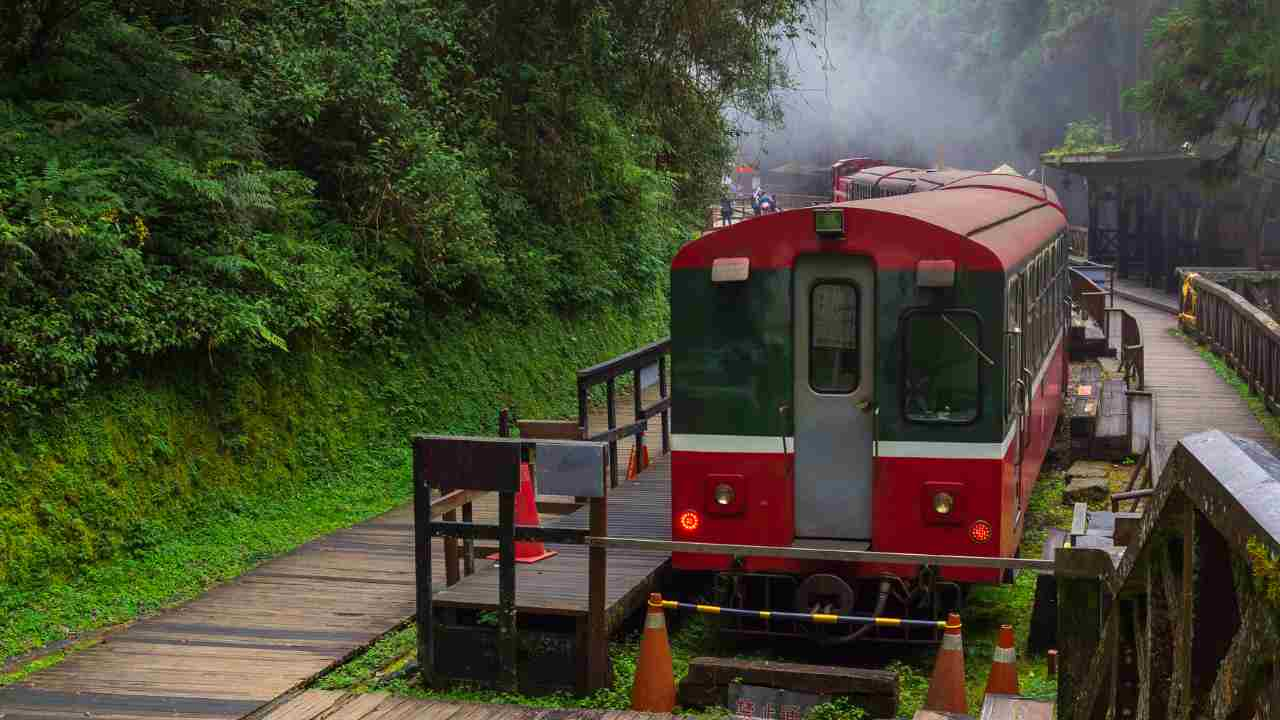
(993, 221)
(921, 179)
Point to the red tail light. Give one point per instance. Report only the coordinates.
(980, 532)
(690, 521)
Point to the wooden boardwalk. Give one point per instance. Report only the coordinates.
(1190, 397)
(323, 705)
(248, 641)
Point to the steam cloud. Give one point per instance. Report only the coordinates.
(893, 104)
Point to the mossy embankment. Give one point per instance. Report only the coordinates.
(160, 485)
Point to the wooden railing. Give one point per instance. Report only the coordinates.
(1247, 338)
(1124, 336)
(1131, 353)
(1183, 621)
(1088, 295)
(647, 366)
(742, 207)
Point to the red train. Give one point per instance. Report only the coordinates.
(879, 374)
(864, 179)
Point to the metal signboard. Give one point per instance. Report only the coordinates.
(569, 467)
(752, 702)
(649, 375)
(464, 463)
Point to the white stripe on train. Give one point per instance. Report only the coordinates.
(773, 444)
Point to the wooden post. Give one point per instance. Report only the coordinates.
(1093, 220)
(1078, 573)
(637, 398)
(468, 545)
(1122, 229)
(613, 424)
(504, 423)
(508, 640)
(582, 409)
(451, 570)
(666, 414)
(422, 566)
(597, 584)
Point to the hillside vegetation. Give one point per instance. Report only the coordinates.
(218, 175)
(247, 245)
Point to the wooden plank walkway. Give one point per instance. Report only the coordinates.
(321, 704)
(248, 641)
(1190, 397)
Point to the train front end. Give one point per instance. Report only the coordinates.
(834, 390)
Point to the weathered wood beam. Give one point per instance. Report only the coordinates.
(1242, 672)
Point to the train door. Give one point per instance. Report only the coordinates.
(1019, 381)
(834, 416)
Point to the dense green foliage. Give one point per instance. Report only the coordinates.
(1217, 78)
(1084, 136)
(221, 176)
(158, 487)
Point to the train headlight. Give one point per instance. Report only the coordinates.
(724, 494)
(943, 503)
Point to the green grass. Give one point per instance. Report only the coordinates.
(177, 569)
(1270, 422)
(160, 487)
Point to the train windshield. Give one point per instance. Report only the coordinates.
(942, 366)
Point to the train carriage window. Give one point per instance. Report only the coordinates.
(834, 365)
(942, 366)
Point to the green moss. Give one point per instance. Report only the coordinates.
(162, 485)
(1266, 571)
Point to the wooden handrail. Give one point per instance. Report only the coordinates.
(1242, 334)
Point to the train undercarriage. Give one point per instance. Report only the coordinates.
(923, 597)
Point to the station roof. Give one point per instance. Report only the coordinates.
(1125, 163)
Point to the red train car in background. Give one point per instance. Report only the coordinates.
(864, 179)
(880, 375)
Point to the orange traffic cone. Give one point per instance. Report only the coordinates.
(527, 514)
(654, 689)
(1003, 679)
(633, 462)
(946, 687)
(644, 452)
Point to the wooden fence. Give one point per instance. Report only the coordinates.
(647, 366)
(1183, 622)
(1247, 338)
(1121, 329)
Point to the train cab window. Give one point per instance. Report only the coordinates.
(834, 365)
(941, 366)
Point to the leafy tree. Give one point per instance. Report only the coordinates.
(1217, 79)
(226, 176)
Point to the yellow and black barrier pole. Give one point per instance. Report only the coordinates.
(818, 618)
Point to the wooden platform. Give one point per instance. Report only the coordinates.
(1190, 397)
(250, 640)
(1134, 291)
(558, 585)
(244, 642)
(318, 704)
